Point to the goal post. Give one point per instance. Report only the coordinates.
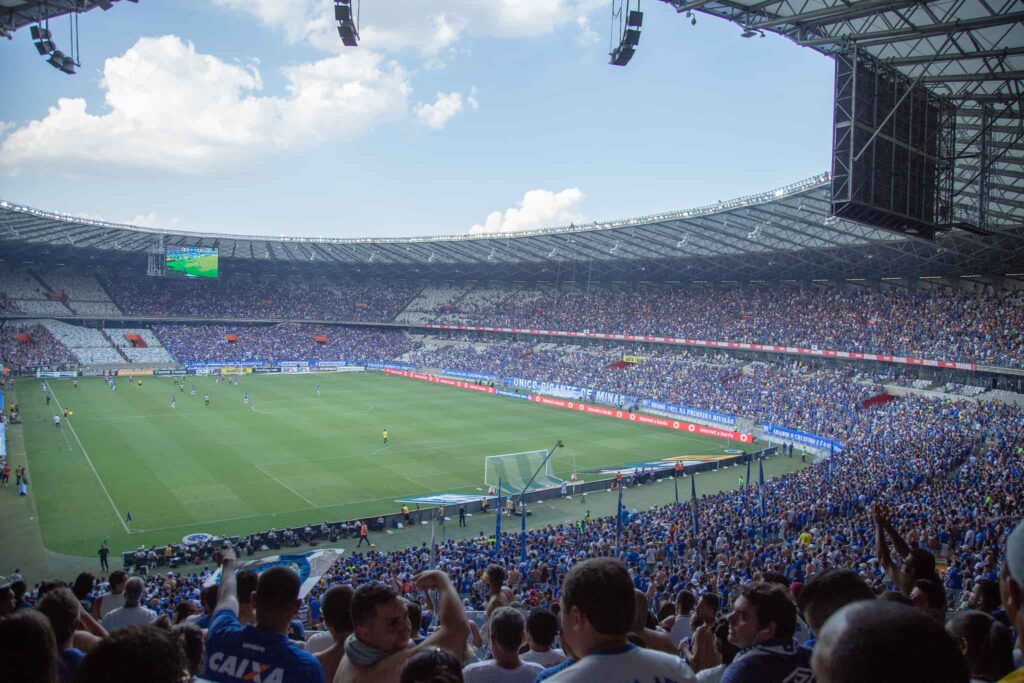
(514, 470)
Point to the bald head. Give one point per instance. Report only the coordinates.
(885, 642)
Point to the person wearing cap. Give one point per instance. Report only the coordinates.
(1011, 588)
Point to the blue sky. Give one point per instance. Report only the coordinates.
(248, 116)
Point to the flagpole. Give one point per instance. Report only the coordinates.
(497, 523)
(618, 524)
(760, 493)
(433, 541)
(522, 497)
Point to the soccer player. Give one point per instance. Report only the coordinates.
(181, 387)
(384, 435)
(48, 397)
(206, 400)
(172, 401)
(193, 390)
(75, 384)
(318, 390)
(56, 421)
(245, 399)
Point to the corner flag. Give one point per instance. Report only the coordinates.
(128, 517)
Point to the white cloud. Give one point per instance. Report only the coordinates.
(398, 25)
(537, 209)
(153, 220)
(443, 109)
(173, 108)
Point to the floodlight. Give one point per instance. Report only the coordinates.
(347, 20)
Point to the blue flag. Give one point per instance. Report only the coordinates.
(497, 522)
(522, 533)
(693, 505)
(128, 517)
(746, 482)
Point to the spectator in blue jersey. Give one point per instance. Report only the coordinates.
(761, 624)
(597, 612)
(236, 653)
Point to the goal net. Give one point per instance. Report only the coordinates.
(513, 471)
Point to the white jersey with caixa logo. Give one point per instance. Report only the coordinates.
(630, 664)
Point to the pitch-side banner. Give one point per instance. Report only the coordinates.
(827, 353)
(309, 566)
(581, 407)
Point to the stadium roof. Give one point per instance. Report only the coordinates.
(969, 51)
(16, 14)
(783, 234)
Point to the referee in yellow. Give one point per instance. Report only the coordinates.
(384, 435)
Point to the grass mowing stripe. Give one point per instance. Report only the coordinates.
(124, 525)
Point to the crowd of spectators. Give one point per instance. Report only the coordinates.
(283, 341)
(778, 393)
(922, 484)
(944, 324)
(41, 349)
(261, 298)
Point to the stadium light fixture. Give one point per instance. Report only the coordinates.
(43, 40)
(630, 33)
(348, 22)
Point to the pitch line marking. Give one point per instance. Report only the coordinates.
(311, 503)
(103, 486)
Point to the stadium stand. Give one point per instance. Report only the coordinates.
(149, 348)
(270, 299)
(38, 348)
(88, 345)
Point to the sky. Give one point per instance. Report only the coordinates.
(452, 116)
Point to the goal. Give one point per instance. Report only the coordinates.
(513, 471)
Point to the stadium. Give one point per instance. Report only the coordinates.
(750, 393)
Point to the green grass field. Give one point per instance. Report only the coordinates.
(289, 457)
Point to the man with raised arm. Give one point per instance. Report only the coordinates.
(262, 651)
(382, 643)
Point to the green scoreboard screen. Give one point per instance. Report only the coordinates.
(192, 261)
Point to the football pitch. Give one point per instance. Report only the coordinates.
(289, 457)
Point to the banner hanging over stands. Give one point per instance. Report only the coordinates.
(687, 411)
(825, 353)
(588, 408)
(482, 376)
(804, 438)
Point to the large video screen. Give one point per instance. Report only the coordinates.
(192, 261)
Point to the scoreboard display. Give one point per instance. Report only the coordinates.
(192, 261)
